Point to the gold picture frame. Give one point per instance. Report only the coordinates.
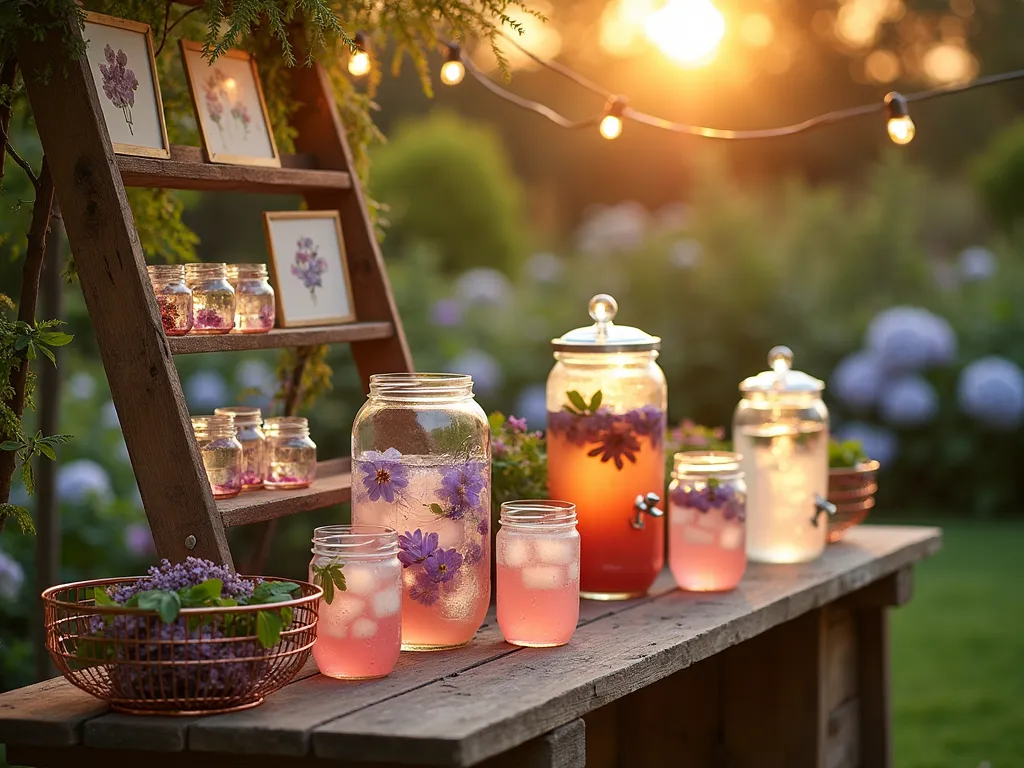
(285, 234)
(117, 68)
(219, 86)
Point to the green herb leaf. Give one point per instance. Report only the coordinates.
(436, 509)
(167, 604)
(268, 628)
(327, 577)
(339, 579)
(47, 451)
(101, 598)
(595, 401)
(54, 338)
(287, 614)
(10, 445)
(200, 594)
(577, 400)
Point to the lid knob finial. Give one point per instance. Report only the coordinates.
(603, 308)
(780, 359)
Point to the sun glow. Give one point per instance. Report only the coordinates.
(687, 31)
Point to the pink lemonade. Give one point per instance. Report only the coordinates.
(538, 573)
(359, 631)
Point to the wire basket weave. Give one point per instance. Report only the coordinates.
(208, 660)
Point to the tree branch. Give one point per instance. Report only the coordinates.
(167, 29)
(8, 72)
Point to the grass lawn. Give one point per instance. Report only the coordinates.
(958, 653)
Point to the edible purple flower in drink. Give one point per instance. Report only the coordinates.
(461, 488)
(482, 527)
(384, 475)
(249, 477)
(210, 318)
(474, 554)
(648, 421)
(423, 590)
(616, 444)
(442, 565)
(416, 547)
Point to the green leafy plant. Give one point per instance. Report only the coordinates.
(580, 406)
(845, 454)
(330, 577)
(519, 461)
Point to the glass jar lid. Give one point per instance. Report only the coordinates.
(604, 335)
(781, 379)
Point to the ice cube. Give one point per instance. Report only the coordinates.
(363, 628)
(332, 623)
(680, 515)
(544, 577)
(554, 551)
(387, 603)
(694, 535)
(731, 537)
(514, 552)
(359, 579)
(346, 605)
(711, 520)
(574, 570)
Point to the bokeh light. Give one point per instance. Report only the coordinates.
(757, 30)
(882, 66)
(948, 63)
(687, 31)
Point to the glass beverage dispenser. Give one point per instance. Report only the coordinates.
(606, 399)
(781, 429)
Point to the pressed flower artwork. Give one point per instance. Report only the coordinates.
(120, 54)
(308, 267)
(229, 106)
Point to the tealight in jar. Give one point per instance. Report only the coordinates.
(213, 298)
(291, 455)
(173, 297)
(249, 431)
(221, 452)
(254, 298)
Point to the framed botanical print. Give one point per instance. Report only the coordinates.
(308, 268)
(229, 106)
(120, 55)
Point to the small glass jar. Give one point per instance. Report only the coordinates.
(173, 297)
(707, 502)
(254, 298)
(538, 556)
(291, 455)
(359, 622)
(213, 298)
(421, 464)
(249, 431)
(221, 452)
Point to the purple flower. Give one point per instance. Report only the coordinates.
(498, 447)
(461, 488)
(447, 313)
(190, 573)
(384, 474)
(210, 318)
(416, 547)
(308, 265)
(474, 554)
(423, 590)
(442, 565)
(616, 444)
(482, 527)
(706, 499)
(119, 83)
(515, 424)
(648, 421)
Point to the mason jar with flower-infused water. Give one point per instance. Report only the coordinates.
(221, 453)
(213, 298)
(291, 453)
(173, 297)
(781, 429)
(249, 431)
(254, 298)
(606, 400)
(421, 464)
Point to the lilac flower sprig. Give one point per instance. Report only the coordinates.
(119, 83)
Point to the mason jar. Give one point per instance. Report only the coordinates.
(254, 298)
(359, 619)
(221, 452)
(606, 402)
(173, 297)
(291, 455)
(706, 513)
(249, 431)
(538, 556)
(421, 464)
(781, 429)
(213, 298)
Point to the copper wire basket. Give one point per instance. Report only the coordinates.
(207, 661)
(852, 490)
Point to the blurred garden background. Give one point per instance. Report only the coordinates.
(896, 274)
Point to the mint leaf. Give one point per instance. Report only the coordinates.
(339, 579)
(436, 509)
(326, 576)
(167, 604)
(101, 598)
(200, 594)
(577, 400)
(268, 628)
(595, 401)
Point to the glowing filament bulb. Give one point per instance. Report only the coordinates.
(359, 63)
(611, 127)
(452, 72)
(898, 123)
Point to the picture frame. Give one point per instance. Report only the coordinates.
(123, 64)
(309, 268)
(230, 109)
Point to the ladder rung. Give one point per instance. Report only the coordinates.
(187, 169)
(281, 337)
(333, 485)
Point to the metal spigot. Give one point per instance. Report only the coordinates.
(821, 505)
(648, 504)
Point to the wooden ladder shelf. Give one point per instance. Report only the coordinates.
(90, 184)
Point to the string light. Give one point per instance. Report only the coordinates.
(359, 61)
(611, 123)
(898, 123)
(453, 70)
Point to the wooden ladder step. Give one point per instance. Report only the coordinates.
(187, 169)
(281, 337)
(333, 485)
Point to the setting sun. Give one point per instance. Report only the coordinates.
(687, 31)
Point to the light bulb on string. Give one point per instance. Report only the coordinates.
(898, 123)
(611, 124)
(359, 62)
(453, 70)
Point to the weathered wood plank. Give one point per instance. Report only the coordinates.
(50, 713)
(496, 706)
(186, 168)
(890, 592)
(143, 380)
(281, 337)
(840, 655)
(842, 750)
(333, 485)
(564, 747)
(873, 668)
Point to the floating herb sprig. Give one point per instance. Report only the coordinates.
(330, 577)
(580, 407)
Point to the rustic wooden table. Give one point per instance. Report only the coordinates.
(788, 670)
